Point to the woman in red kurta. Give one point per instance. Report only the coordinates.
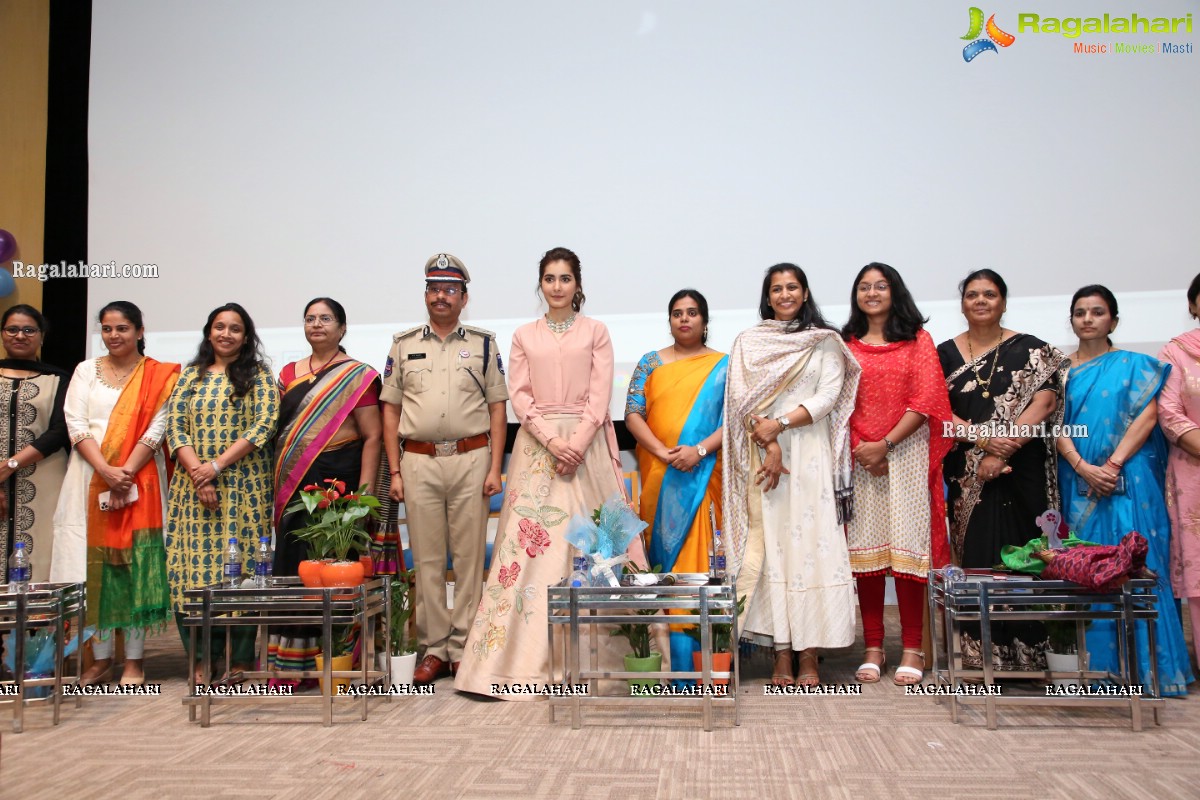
(899, 522)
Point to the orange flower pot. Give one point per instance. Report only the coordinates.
(721, 662)
(342, 574)
(310, 574)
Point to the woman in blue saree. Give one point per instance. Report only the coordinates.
(674, 409)
(1112, 478)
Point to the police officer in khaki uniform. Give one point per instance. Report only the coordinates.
(443, 405)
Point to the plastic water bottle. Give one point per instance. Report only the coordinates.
(579, 572)
(19, 569)
(233, 564)
(262, 563)
(716, 560)
(952, 574)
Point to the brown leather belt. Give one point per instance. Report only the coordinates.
(451, 448)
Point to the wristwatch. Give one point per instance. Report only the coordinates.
(700, 451)
(13, 465)
(889, 444)
(783, 421)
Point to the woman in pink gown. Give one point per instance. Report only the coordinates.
(1179, 418)
(564, 462)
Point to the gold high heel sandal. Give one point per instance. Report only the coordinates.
(809, 677)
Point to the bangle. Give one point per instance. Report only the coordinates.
(1114, 464)
(1078, 460)
(395, 472)
(216, 467)
(982, 442)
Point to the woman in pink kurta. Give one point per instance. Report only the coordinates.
(1179, 418)
(564, 462)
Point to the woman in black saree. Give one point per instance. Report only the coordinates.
(1000, 477)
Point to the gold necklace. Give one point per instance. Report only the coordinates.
(1079, 361)
(120, 379)
(676, 355)
(975, 367)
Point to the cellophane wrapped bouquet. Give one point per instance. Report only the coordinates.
(604, 538)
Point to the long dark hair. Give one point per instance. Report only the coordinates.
(701, 305)
(339, 313)
(131, 313)
(243, 369)
(563, 254)
(1096, 290)
(904, 320)
(1194, 289)
(809, 315)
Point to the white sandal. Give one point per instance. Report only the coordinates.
(869, 671)
(916, 675)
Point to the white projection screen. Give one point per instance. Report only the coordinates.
(268, 152)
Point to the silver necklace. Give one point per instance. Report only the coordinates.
(560, 327)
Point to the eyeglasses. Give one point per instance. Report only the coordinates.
(13, 330)
(882, 286)
(435, 289)
(324, 319)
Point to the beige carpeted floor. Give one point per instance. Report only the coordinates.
(879, 744)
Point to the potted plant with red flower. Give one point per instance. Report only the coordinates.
(337, 525)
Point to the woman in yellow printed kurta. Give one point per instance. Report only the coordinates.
(221, 420)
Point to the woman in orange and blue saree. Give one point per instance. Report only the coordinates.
(675, 410)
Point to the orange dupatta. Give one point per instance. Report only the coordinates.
(126, 557)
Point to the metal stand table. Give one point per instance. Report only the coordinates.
(287, 602)
(54, 606)
(616, 605)
(987, 597)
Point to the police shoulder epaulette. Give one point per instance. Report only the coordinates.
(404, 334)
(481, 331)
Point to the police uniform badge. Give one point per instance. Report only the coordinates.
(387, 368)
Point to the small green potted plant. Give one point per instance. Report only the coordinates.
(345, 641)
(641, 658)
(1062, 651)
(336, 526)
(401, 645)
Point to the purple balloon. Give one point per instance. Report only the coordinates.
(8, 245)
